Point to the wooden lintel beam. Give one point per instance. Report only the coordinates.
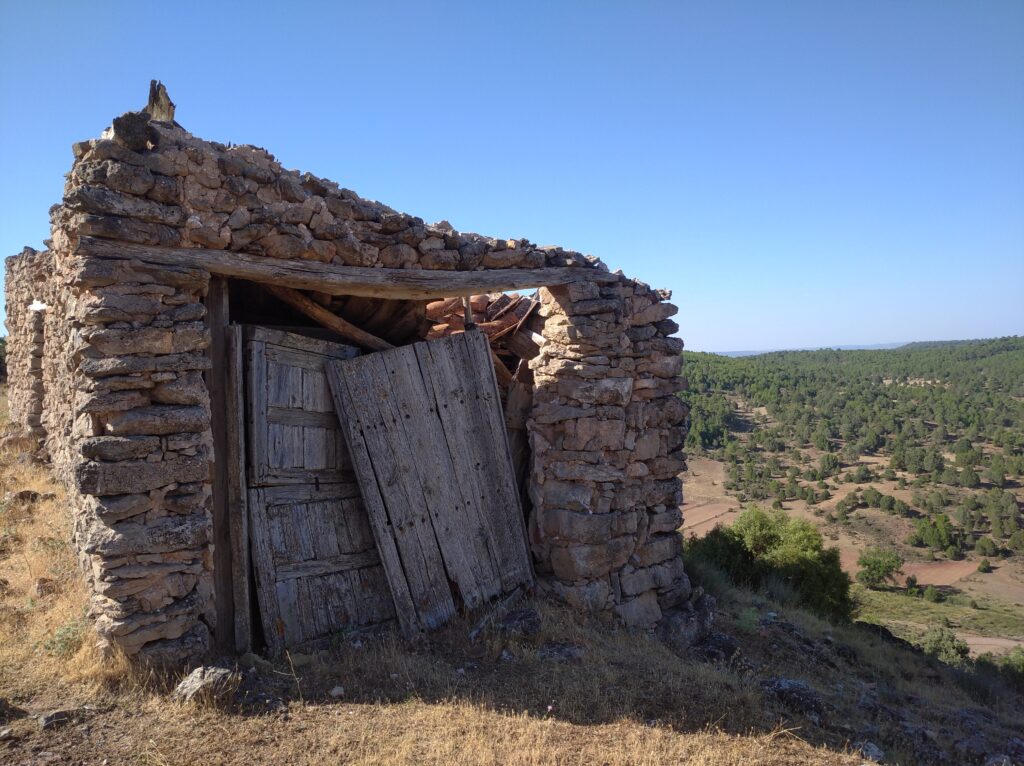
(344, 280)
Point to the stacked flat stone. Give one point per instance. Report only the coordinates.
(172, 189)
(145, 446)
(125, 411)
(26, 279)
(606, 434)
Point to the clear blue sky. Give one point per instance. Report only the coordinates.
(798, 173)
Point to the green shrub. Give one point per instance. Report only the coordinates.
(711, 578)
(984, 566)
(911, 586)
(779, 590)
(762, 548)
(878, 566)
(67, 639)
(985, 547)
(932, 595)
(943, 644)
(747, 621)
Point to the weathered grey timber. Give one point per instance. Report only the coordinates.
(293, 434)
(317, 568)
(316, 565)
(344, 280)
(423, 423)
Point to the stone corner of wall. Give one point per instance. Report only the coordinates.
(607, 430)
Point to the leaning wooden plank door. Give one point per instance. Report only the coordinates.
(424, 428)
(314, 557)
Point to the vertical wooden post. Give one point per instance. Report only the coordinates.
(217, 315)
(238, 508)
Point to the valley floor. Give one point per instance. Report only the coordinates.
(999, 592)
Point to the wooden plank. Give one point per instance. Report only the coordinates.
(293, 341)
(291, 414)
(331, 321)
(296, 417)
(306, 581)
(523, 343)
(518, 404)
(312, 550)
(306, 360)
(345, 280)
(505, 487)
(217, 311)
(301, 475)
(394, 471)
(238, 513)
(461, 398)
(256, 412)
(427, 424)
(310, 493)
(324, 566)
(405, 609)
(459, 536)
(263, 565)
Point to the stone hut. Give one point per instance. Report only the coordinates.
(282, 410)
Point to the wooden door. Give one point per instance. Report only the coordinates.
(315, 562)
(428, 443)
(293, 431)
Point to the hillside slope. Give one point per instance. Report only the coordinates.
(771, 686)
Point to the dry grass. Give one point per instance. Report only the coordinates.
(419, 733)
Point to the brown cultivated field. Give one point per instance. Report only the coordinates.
(706, 502)
(709, 504)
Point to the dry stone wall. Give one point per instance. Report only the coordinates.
(144, 447)
(154, 184)
(606, 433)
(27, 285)
(126, 412)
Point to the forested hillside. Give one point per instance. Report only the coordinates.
(909, 461)
(947, 417)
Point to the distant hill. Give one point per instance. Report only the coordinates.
(874, 347)
(918, 344)
(912, 346)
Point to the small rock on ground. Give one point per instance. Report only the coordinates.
(9, 712)
(869, 750)
(525, 622)
(559, 651)
(998, 760)
(252, 660)
(56, 718)
(206, 683)
(44, 586)
(301, 660)
(797, 697)
(717, 647)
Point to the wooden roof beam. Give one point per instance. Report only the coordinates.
(344, 280)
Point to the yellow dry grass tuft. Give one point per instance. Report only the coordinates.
(43, 601)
